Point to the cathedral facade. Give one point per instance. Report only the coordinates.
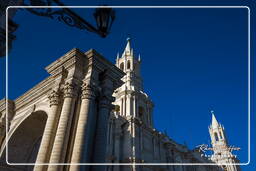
(91, 111)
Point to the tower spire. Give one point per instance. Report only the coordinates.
(127, 95)
(215, 123)
(117, 56)
(139, 59)
(128, 49)
(221, 150)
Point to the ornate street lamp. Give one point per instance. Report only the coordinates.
(104, 18)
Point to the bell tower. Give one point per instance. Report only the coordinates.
(222, 152)
(130, 98)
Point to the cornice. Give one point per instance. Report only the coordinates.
(34, 93)
(101, 64)
(140, 94)
(3, 104)
(72, 57)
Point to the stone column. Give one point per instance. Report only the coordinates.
(122, 107)
(84, 131)
(99, 155)
(49, 132)
(62, 136)
(101, 133)
(110, 141)
(125, 105)
(118, 134)
(128, 105)
(134, 106)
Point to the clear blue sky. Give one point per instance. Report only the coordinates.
(193, 61)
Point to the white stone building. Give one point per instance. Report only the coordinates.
(91, 111)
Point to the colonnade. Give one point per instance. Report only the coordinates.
(90, 139)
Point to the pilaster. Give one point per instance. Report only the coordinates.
(86, 127)
(49, 131)
(105, 106)
(59, 149)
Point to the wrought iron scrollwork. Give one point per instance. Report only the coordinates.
(64, 14)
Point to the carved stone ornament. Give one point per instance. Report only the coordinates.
(89, 91)
(54, 97)
(105, 102)
(69, 90)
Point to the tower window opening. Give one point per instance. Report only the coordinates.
(221, 136)
(128, 65)
(122, 66)
(216, 136)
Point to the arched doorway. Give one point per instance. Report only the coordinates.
(24, 143)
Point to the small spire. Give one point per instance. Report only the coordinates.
(215, 123)
(128, 46)
(117, 56)
(139, 58)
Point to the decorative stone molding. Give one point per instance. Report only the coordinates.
(89, 91)
(98, 61)
(69, 90)
(106, 97)
(35, 93)
(54, 97)
(68, 60)
(105, 102)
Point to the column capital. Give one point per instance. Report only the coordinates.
(105, 101)
(89, 91)
(69, 90)
(54, 97)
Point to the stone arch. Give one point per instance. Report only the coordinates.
(122, 66)
(25, 139)
(216, 136)
(221, 136)
(128, 64)
(16, 124)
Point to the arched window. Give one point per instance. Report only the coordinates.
(221, 136)
(122, 66)
(128, 65)
(216, 136)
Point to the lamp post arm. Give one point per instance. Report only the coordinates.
(80, 19)
(64, 15)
